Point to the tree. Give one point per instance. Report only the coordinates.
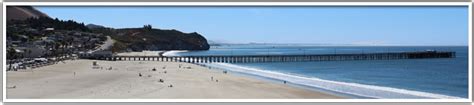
(11, 53)
(11, 56)
(147, 27)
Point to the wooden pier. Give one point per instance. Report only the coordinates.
(280, 58)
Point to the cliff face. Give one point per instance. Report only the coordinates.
(23, 12)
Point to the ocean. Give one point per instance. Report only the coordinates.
(444, 78)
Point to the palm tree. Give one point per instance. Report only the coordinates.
(12, 55)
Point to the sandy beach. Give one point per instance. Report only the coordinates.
(77, 79)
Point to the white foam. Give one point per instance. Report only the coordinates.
(174, 52)
(336, 86)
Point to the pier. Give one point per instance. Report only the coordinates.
(279, 58)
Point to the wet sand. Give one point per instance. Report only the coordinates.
(78, 80)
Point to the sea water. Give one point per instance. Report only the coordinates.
(444, 78)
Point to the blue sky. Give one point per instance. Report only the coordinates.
(318, 25)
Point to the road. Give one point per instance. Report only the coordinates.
(107, 44)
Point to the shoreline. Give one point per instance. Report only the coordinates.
(295, 85)
(76, 79)
(357, 90)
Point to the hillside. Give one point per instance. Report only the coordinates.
(26, 23)
(147, 38)
(23, 12)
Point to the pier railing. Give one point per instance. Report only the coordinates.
(281, 58)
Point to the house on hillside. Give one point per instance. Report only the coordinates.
(32, 51)
(49, 29)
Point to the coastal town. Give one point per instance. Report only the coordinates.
(30, 47)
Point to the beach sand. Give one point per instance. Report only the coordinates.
(77, 79)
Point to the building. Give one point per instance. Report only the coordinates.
(32, 51)
(96, 54)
